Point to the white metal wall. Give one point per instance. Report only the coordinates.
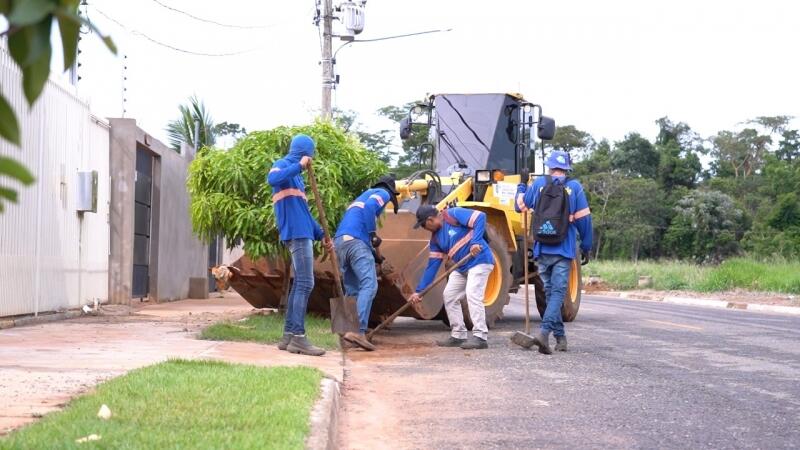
(51, 257)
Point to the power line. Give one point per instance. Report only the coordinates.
(200, 19)
(163, 44)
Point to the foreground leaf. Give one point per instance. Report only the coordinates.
(29, 12)
(14, 169)
(9, 128)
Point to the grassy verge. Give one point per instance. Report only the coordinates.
(738, 273)
(185, 404)
(269, 329)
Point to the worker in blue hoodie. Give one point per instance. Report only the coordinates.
(357, 245)
(298, 230)
(456, 233)
(554, 258)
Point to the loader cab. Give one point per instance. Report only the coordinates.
(484, 136)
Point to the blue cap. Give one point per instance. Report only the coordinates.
(301, 145)
(559, 160)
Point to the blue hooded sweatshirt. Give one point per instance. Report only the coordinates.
(361, 216)
(289, 193)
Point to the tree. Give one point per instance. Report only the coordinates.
(678, 148)
(789, 146)
(230, 197)
(578, 143)
(380, 143)
(707, 227)
(633, 217)
(182, 130)
(29, 31)
(597, 162)
(416, 154)
(233, 130)
(739, 154)
(635, 156)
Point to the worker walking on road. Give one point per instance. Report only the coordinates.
(356, 244)
(561, 212)
(455, 233)
(298, 230)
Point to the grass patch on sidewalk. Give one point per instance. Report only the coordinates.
(185, 404)
(736, 273)
(269, 330)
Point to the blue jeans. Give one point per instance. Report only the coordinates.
(302, 253)
(360, 278)
(554, 270)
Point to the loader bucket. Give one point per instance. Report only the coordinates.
(406, 252)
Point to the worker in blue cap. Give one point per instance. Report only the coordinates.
(297, 229)
(560, 214)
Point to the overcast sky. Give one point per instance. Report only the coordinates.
(607, 67)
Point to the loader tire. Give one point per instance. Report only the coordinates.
(572, 299)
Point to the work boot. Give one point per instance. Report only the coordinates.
(284, 342)
(561, 343)
(359, 340)
(542, 340)
(451, 342)
(299, 344)
(474, 343)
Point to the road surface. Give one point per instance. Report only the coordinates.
(638, 375)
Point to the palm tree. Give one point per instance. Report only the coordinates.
(182, 130)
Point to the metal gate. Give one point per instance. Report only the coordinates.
(142, 219)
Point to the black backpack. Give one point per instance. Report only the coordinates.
(551, 213)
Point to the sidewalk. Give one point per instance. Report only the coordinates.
(45, 366)
(726, 300)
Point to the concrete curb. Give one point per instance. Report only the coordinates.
(703, 302)
(42, 318)
(324, 431)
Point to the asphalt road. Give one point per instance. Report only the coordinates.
(638, 375)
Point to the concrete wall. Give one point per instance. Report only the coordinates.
(175, 254)
(51, 256)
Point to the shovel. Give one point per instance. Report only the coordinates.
(344, 313)
(525, 339)
(438, 280)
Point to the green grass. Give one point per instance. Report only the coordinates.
(738, 273)
(269, 329)
(185, 404)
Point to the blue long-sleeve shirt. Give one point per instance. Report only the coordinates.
(461, 229)
(580, 216)
(361, 216)
(293, 218)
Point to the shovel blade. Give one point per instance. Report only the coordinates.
(522, 339)
(344, 315)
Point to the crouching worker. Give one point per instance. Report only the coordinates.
(456, 233)
(298, 230)
(356, 247)
(561, 213)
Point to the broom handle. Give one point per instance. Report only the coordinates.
(324, 222)
(438, 280)
(525, 269)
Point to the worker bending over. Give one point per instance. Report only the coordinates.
(297, 229)
(456, 233)
(356, 244)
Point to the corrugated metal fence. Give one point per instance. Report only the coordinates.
(52, 257)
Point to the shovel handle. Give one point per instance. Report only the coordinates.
(438, 280)
(323, 220)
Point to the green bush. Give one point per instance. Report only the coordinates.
(230, 196)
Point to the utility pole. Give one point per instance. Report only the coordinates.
(327, 62)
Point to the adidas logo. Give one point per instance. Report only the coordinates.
(547, 229)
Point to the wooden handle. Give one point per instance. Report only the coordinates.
(525, 269)
(438, 280)
(337, 278)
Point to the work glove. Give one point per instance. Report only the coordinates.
(584, 257)
(375, 239)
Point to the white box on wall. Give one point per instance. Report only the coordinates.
(86, 191)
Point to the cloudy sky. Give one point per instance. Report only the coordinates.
(608, 67)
